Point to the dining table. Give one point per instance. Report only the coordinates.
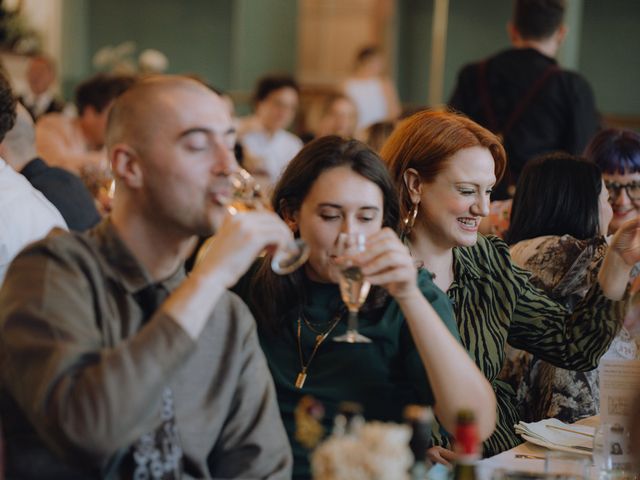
(526, 457)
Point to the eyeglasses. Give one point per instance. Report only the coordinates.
(615, 189)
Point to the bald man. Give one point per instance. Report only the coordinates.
(114, 363)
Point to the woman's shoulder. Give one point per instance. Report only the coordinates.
(426, 284)
(436, 297)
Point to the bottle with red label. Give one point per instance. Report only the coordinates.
(467, 446)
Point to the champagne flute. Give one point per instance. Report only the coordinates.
(246, 195)
(353, 287)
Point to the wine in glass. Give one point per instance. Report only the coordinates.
(246, 195)
(353, 287)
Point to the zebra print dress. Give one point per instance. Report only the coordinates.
(494, 302)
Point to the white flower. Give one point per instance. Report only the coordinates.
(151, 60)
(378, 451)
(104, 57)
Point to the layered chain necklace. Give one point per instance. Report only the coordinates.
(320, 338)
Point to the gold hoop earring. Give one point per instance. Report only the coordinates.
(410, 220)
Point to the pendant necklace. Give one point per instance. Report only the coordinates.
(320, 338)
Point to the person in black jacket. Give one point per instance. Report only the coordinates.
(61, 187)
(524, 96)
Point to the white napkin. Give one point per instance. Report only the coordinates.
(556, 435)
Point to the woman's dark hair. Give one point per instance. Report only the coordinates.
(615, 151)
(272, 296)
(557, 194)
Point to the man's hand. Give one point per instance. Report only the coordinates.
(231, 252)
(240, 239)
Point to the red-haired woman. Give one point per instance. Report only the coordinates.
(445, 167)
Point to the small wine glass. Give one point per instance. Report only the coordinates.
(353, 287)
(246, 195)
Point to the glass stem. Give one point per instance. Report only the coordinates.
(352, 321)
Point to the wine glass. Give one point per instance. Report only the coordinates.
(246, 195)
(566, 466)
(353, 287)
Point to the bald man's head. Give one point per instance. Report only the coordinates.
(170, 141)
(137, 113)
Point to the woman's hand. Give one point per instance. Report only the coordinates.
(441, 455)
(388, 263)
(622, 255)
(626, 242)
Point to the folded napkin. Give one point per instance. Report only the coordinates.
(556, 435)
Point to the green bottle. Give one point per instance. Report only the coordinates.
(467, 446)
(419, 418)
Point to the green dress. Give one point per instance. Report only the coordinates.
(383, 376)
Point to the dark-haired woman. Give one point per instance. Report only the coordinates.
(338, 186)
(560, 215)
(445, 166)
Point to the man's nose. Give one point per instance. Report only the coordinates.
(227, 162)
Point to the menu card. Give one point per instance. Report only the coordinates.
(619, 389)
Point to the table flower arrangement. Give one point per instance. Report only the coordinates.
(376, 451)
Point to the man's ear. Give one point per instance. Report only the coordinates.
(125, 164)
(413, 182)
(512, 31)
(561, 34)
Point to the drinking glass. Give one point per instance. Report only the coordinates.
(246, 195)
(566, 465)
(612, 452)
(353, 287)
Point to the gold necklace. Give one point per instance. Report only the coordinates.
(320, 337)
(313, 328)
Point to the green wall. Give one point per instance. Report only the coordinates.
(195, 35)
(415, 19)
(230, 43)
(264, 40)
(610, 54)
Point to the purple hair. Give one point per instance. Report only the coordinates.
(615, 151)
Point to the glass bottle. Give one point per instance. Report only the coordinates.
(1, 455)
(419, 418)
(348, 420)
(467, 446)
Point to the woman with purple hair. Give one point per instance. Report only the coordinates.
(617, 153)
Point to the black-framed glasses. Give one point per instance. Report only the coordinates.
(632, 189)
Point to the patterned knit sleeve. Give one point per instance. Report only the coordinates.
(573, 341)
